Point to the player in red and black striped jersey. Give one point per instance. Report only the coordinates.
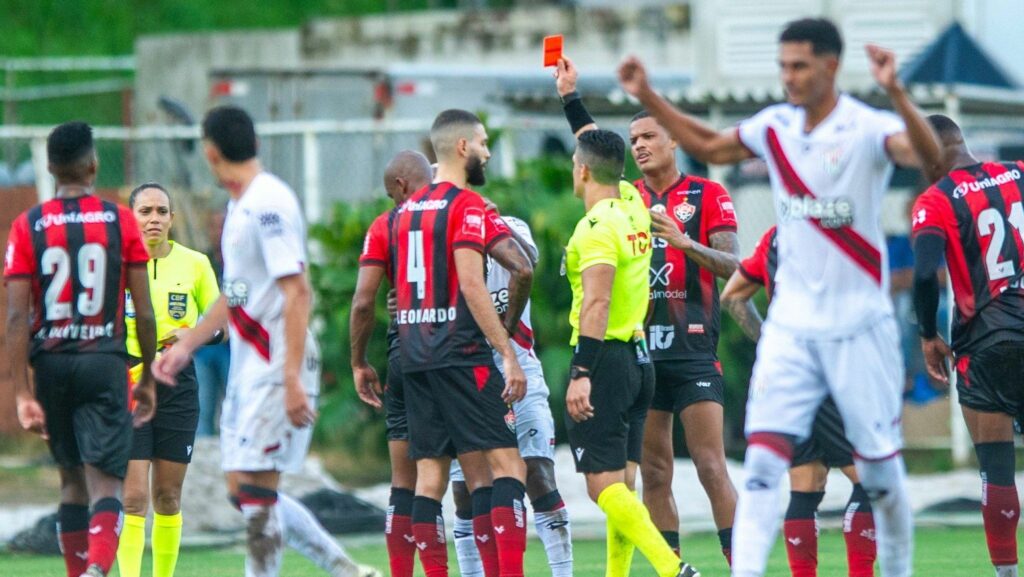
(68, 263)
(826, 448)
(975, 217)
(455, 396)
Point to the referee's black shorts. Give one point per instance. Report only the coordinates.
(171, 434)
(85, 398)
(620, 392)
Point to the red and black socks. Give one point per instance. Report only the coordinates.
(73, 533)
(1000, 506)
(428, 530)
(801, 533)
(483, 531)
(508, 517)
(859, 534)
(398, 533)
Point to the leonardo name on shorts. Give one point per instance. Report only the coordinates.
(418, 316)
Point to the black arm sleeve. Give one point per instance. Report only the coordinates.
(575, 112)
(928, 250)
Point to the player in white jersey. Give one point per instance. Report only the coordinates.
(269, 409)
(535, 429)
(830, 329)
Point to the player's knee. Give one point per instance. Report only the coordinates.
(463, 500)
(881, 479)
(540, 477)
(657, 474)
(711, 469)
(134, 504)
(767, 459)
(166, 501)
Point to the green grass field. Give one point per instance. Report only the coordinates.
(939, 552)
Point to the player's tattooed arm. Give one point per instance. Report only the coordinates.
(737, 299)
(361, 323)
(695, 137)
(512, 258)
(721, 258)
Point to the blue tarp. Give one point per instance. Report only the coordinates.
(955, 58)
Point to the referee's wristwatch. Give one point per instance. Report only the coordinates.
(578, 373)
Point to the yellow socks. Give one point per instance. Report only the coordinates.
(131, 545)
(630, 518)
(620, 551)
(166, 542)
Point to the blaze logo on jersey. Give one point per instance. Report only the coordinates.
(662, 337)
(177, 305)
(963, 188)
(684, 211)
(829, 212)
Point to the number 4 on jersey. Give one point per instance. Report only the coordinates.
(990, 222)
(416, 270)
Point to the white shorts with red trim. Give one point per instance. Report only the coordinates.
(255, 432)
(863, 373)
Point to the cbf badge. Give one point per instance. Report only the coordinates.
(177, 305)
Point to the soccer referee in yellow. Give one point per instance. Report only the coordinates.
(182, 285)
(610, 388)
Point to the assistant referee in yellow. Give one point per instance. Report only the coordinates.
(182, 285)
(607, 261)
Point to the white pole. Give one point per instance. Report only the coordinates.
(311, 176)
(960, 437)
(44, 180)
(716, 172)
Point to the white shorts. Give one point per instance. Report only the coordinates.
(535, 427)
(255, 433)
(863, 372)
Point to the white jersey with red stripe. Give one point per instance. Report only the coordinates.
(264, 240)
(827, 187)
(498, 279)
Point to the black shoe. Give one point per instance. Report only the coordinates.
(687, 570)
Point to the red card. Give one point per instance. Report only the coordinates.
(552, 50)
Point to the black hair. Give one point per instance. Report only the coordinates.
(231, 130)
(640, 116)
(147, 185)
(604, 153)
(454, 116)
(67, 147)
(945, 127)
(822, 33)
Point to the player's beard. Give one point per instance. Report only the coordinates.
(475, 175)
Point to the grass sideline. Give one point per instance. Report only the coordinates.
(955, 552)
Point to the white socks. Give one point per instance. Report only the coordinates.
(555, 532)
(465, 549)
(885, 483)
(758, 511)
(306, 535)
(263, 538)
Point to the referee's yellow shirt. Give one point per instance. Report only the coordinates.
(614, 232)
(182, 285)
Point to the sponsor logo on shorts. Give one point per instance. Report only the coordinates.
(579, 454)
(704, 384)
(177, 305)
(695, 329)
(188, 450)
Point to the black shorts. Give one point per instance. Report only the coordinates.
(85, 397)
(828, 442)
(992, 381)
(679, 384)
(457, 410)
(395, 420)
(171, 434)
(620, 392)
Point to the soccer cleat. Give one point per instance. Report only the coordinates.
(93, 571)
(367, 571)
(687, 570)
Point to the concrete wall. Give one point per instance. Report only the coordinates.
(178, 65)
